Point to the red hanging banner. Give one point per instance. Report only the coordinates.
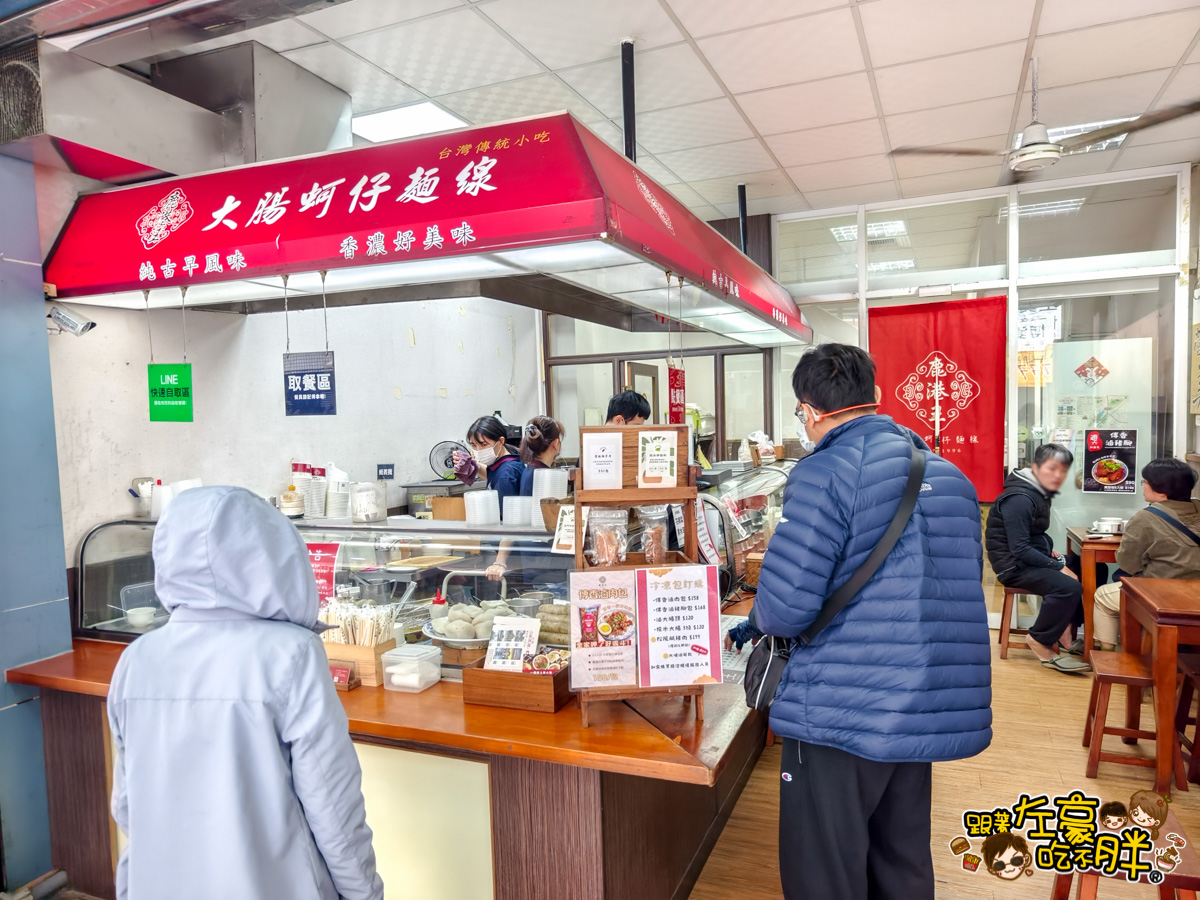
(676, 379)
(941, 370)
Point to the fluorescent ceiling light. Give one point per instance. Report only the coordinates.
(875, 231)
(1056, 135)
(892, 265)
(1047, 208)
(405, 121)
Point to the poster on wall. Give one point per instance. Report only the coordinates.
(309, 385)
(170, 392)
(679, 626)
(941, 369)
(1110, 462)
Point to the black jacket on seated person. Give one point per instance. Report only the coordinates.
(1016, 535)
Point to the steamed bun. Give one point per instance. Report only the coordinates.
(457, 628)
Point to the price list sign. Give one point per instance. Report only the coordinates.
(679, 629)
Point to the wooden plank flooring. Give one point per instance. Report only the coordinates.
(1036, 747)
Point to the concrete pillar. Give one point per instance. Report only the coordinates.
(34, 612)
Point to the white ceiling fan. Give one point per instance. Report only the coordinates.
(1037, 151)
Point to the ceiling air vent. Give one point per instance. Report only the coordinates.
(20, 93)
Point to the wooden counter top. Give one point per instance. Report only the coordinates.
(655, 738)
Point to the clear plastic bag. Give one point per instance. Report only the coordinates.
(608, 536)
(654, 533)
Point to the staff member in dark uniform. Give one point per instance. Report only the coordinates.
(541, 444)
(504, 468)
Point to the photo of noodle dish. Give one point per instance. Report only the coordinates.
(616, 626)
(1110, 471)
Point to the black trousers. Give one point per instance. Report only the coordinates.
(853, 829)
(1062, 597)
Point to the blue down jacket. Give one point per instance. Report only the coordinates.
(903, 674)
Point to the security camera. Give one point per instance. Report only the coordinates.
(69, 319)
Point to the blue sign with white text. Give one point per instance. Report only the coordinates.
(309, 387)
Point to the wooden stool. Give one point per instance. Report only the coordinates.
(1006, 625)
(1111, 668)
(1189, 668)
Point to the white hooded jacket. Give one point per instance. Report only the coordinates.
(234, 773)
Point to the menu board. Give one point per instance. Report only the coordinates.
(1110, 462)
(514, 641)
(603, 629)
(656, 459)
(679, 635)
(323, 558)
(601, 461)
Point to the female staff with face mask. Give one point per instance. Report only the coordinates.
(504, 468)
(541, 444)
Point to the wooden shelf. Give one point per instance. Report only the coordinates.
(636, 497)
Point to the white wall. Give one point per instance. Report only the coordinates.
(408, 375)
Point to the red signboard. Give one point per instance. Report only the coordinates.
(941, 369)
(505, 186)
(676, 379)
(323, 558)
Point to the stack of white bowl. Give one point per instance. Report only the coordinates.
(314, 495)
(548, 484)
(517, 510)
(483, 507)
(337, 503)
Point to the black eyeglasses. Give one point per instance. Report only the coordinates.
(1017, 862)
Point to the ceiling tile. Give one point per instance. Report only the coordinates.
(1094, 101)
(963, 123)
(609, 133)
(916, 166)
(1067, 15)
(801, 148)
(706, 213)
(901, 31)
(655, 169)
(849, 196)
(444, 54)
(1184, 86)
(767, 206)
(358, 16)
(841, 173)
(686, 195)
(796, 107)
(948, 182)
(280, 36)
(1139, 45)
(704, 17)
(369, 88)
(517, 99)
(709, 122)
(769, 183)
(1081, 164)
(718, 160)
(585, 33)
(1159, 154)
(670, 76)
(993, 72)
(797, 50)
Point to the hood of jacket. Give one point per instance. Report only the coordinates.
(225, 553)
(1026, 478)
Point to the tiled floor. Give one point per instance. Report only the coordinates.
(1036, 748)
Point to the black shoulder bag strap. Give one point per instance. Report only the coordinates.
(1171, 520)
(841, 598)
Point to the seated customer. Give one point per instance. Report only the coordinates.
(1022, 555)
(627, 408)
(234, 775)
(1156, 542)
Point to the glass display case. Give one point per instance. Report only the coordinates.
(743, 511)
(404, 561)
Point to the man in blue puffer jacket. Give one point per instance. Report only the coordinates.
(902, 677)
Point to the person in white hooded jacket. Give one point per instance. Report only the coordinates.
(234, 774)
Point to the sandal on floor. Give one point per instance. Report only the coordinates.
(1067, 664)
(1076, 648)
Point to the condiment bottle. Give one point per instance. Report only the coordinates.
(438, 610)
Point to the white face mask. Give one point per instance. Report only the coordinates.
(802, 434)
(486, 456)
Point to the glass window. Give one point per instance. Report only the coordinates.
(745, 391)
(1108, 226)
(579, 396)
(821, 254)
(1096, 356)
(947, 243)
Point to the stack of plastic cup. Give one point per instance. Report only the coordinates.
(548, 484)
(314, 495)
(517, 510)
(483, 507)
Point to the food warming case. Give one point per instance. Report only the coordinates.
(745, 510)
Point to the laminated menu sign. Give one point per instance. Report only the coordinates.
(170, 392)
(603, 629)
(513, 643)
(1109, 461)
(602, 462)
(679, 634)
(309, 384)
(656, 459)
(324, 559)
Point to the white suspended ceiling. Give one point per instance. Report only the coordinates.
(799, 99)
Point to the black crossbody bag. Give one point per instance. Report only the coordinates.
(764, 668)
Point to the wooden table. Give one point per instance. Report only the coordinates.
(1168, 610)
(1091, 551)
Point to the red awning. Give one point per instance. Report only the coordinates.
(501, 188)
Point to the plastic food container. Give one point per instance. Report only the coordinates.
(412, 668)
